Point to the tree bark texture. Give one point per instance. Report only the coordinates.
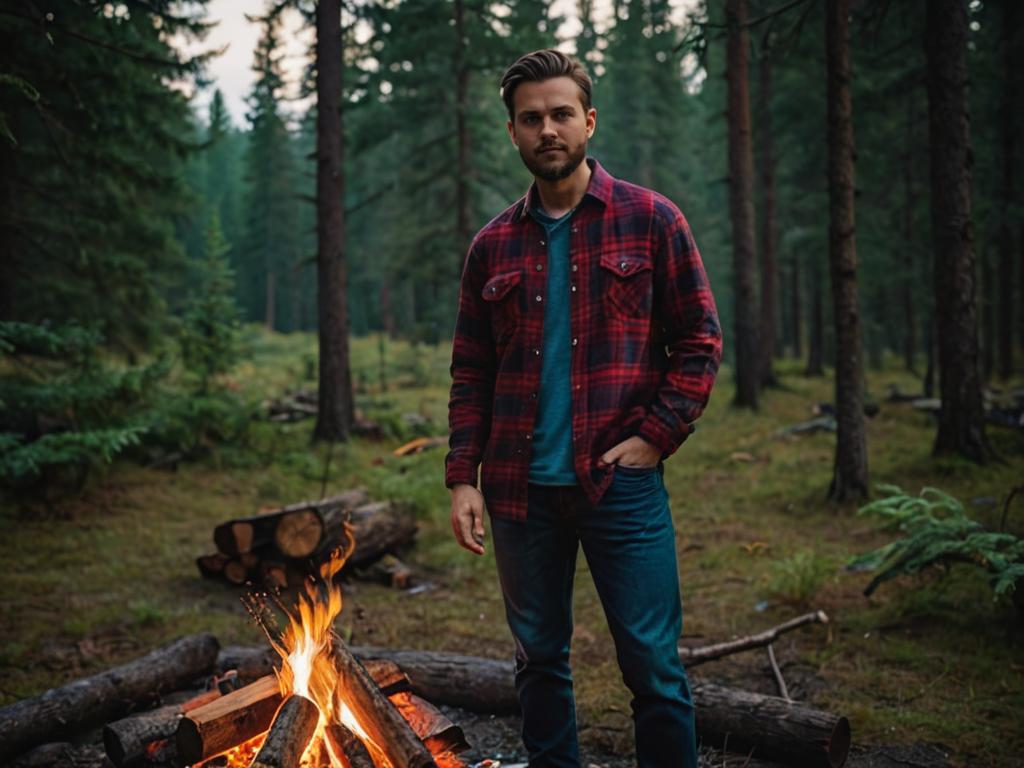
(335, 408)
(962, 419)
(1007, 191)
(94, 700)
(741, 206)
(850, 474)
(290, 734)
(909, 245)
(125, 740)
(816, 341)
(462, 217)
(769, 236)
(796, 308)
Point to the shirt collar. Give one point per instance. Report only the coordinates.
(599, 187)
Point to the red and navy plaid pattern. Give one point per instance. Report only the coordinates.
(646, 341)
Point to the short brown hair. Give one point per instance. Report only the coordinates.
(543, 65)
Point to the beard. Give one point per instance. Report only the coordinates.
(548, 168)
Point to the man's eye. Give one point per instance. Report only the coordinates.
(563, 115)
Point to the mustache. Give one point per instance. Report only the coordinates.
(543, 147)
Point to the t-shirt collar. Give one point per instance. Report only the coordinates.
(599, 188)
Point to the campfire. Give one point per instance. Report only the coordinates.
(326, 709)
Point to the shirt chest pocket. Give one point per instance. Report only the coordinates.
(503, 293)
(628, 289)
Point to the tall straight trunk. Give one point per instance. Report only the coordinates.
(907, 280)
(816, 343)
(269, 315)
(1007, 191)
(8, 259)
(334, 416)
(962, 418)
(988, 316)
(796, 308)
(928, 384)
(741, 207)
(462, 137)
(769, 267)
(850, 475)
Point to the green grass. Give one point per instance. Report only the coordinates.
(103, 577)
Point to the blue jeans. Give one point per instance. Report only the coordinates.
(629, 542)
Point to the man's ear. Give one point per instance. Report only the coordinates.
(512, 133)
(591, 122)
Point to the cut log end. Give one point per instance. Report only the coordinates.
(299, 533)
(838, 747)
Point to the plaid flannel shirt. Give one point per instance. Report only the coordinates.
(646, 341)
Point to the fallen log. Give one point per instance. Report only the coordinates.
(106, 696)
(384, 725)
(775, 728)
(227, 721)
(289, 735)
(469, 682)
(769, 727)
(212, 566)
(126, 739)
(378, 528)
(691, 657)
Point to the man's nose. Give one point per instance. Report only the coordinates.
(548, 128)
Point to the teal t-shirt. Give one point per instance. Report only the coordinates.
(552, 461)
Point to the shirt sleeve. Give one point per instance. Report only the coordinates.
(686, 313)
(473, 371)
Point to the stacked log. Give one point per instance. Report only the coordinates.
(280, 547)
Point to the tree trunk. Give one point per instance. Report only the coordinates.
(335, 414)
(850, 477)
(816, 344)
(769, 267)
(741, 207)
(907, 283)
(94, 700)
(462, 232)
(1006, 193)
(962, 419)
(928, 386)
(269, 320)
(796, 308)
(988, 316)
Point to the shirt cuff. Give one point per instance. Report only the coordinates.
(665, 440)
(460, 473)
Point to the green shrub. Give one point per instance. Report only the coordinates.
(799, 577)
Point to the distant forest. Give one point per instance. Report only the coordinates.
(114, 188)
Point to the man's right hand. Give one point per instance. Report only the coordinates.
(468, 518)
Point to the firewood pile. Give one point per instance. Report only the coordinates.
(193, 703)
(280, 547)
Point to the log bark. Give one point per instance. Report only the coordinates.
(383, 723)
(380, 528)
(126, 739)
(770, 726)
(469, 682)
(290, 734)
(246, 534)
(437, 732)
(316, 527)
(106, 696)
(212, 566)
(344, 742)
(228, 721)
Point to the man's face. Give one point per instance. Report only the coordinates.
(551, 127)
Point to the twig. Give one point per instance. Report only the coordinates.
(691, 657)
(779, 680)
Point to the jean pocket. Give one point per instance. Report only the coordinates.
(621, 469)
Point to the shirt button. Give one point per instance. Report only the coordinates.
(529, 436)
(575, 267)
(542, 242)
(575, 342)
(539, 297)
(574, 289)
(540, 267)
(533, 395)
(622, 266)
(536, 351)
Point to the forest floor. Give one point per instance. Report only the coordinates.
(108, 574)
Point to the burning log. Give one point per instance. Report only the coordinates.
(771, 727)
(227, 721)
(94, 700)
(290, 734)
(436, 731)
(126, 739)
(384, 725)
(344, 742)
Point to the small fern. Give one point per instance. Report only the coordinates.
(937, 531)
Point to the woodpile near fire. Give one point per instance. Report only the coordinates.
(278, 548)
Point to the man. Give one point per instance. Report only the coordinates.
(586, 345)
